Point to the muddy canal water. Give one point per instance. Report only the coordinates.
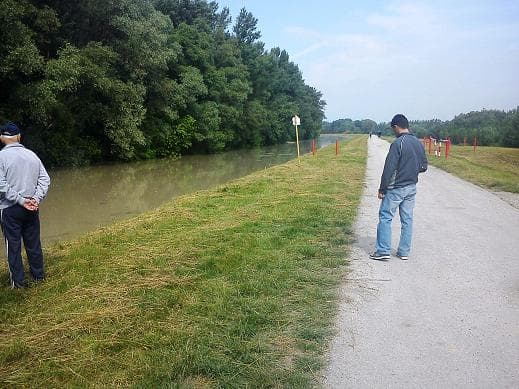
(83, 199)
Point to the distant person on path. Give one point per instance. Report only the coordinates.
(438, 147)
(24, 183)
(405, 159)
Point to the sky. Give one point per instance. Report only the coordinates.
(372, 59)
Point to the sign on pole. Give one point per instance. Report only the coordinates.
(296, 121)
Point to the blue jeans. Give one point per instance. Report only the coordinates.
(403, 199)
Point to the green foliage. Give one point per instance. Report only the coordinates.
(143, 47)
(172, 140)
(348, 125)
(246, 27)
(83, 101)
(92, 80)
(255, 123)
(511, 129)
(490, 127)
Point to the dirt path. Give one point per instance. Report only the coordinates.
(449, 316)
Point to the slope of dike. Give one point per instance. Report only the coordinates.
(230, 287)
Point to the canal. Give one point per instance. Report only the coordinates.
(83, 199)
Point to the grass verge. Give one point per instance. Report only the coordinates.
(496, 168)
(232, 287)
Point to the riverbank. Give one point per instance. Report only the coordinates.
(228, 287)
(105, 194)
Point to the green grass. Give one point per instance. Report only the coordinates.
(231, 287)
(496, 168)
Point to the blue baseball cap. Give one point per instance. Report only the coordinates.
(9, 129)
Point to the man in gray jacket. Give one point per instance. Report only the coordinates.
(405, 160)
(24, 183)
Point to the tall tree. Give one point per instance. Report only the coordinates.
(96, 80)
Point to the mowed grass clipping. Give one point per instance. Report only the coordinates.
(232, 287)
(496, 168)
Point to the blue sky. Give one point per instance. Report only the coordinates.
(372, 59)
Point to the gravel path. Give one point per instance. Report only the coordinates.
(449, 316)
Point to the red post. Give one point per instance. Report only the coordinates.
(475, 143)
(337, 147)
(447, 147)
(313, 146)
(430, 145)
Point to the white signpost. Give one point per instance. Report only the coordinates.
(296, 121)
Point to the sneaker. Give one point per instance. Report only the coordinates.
(19, 284)
(403, 257)
(379, 257)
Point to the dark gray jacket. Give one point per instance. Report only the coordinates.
(406, 158)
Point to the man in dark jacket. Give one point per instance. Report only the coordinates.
(406, 158)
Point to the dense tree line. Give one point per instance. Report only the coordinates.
(97, 80)
(348, 125)
(490, 127)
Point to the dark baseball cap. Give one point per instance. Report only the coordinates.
(9, 129)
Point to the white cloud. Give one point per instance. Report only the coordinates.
(354, 44)
(409, 58)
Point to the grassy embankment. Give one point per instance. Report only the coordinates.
(231, 287)
(496, 168)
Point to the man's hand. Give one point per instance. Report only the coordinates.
(31, 204)
(380, 195)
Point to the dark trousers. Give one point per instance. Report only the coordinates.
(19, 223)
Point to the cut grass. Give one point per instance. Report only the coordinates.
(232, 287)
(496, 168)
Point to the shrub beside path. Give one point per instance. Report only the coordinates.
(447, 317)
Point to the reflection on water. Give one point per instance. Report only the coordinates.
(83, 199)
